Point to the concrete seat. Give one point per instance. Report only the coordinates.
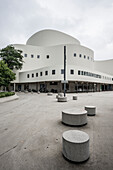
(74, 97)
(49, 94)
(62, 99)
(91, 110)
(75, 145)
(59, 95)
(74, 117)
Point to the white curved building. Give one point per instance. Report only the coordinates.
(43, 67)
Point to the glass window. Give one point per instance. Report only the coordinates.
(27, 75)
(80, 55)
(53, 71)
(78, 72)
(62, 71)
(75, 55)
(25, 55)
(38, 56)
(71, 71)
(47, 56)
(32, 55)
(84, 56)
(46, 73)
(36, 74)
(40, 73)
(88, 57)
(32, 74)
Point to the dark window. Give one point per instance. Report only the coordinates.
(78, 72)
(32, 75)
(88, 57)
(80, 55)
(25, 55)
(112, 79)
(62, 71)
(38, 56)
(71, 71)
(40, 73)
(75, 55)
(27, 75)
(32, 55)
(47, 56)
(84, 56)
(36, 74)
(53, 71)
(53, 83)
(46, 73)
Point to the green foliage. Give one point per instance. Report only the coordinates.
(12, 57)
(6, 75)
(5, 94)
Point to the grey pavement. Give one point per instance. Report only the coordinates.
(31, 132)
(9, 98)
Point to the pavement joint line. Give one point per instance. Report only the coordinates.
(8, 150)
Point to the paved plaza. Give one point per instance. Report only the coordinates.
(31, 132)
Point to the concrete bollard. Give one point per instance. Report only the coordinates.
(74, 117)
(62, 99)
(75, 145)
(49, 94)
(74, 97)
(91, 110)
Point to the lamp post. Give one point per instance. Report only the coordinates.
(64, 71)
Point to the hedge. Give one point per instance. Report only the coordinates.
(5, 94)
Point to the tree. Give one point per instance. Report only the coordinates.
(6, 75)
(12, 57)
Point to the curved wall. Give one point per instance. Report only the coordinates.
(51, 38)
(56, 56)
(105, 66)
(79, 59)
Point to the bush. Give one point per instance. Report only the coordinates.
(5, 94)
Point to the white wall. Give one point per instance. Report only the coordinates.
(56, 61)
(105, 66)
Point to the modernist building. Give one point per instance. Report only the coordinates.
(43, 67)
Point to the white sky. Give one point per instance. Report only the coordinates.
(90, 21)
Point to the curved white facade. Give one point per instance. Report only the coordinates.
(44, 63)
(51, 38)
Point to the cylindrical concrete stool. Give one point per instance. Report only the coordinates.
(75, 145)
(60, 94)
(91, 110)
(49, 94)
(62, 99)
(74, 117)
(74, 97)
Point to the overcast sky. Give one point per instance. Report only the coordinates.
(90, 21)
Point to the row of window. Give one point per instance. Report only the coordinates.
(47, 56)
(80, 55)
(85, 73)
(38, 56)
(46, 73)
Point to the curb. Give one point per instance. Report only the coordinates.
(9, 98)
